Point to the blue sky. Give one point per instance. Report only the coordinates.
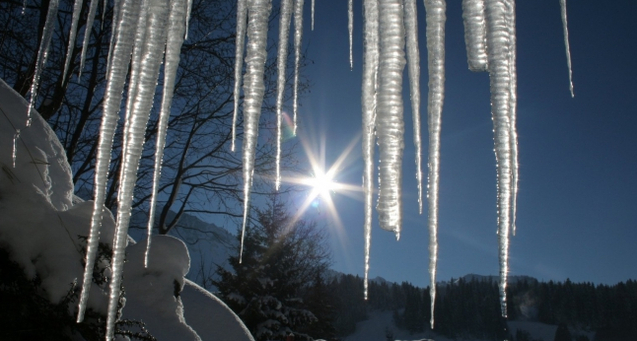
(577, 204)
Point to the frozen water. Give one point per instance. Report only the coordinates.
(368, 103)
(566, 45)
(436, 18)
(253, 89)
(389, 118)
(282, 54)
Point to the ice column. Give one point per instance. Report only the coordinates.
(475, 34)
(350, 29)
(498, 50)
(298, 34)
(253, 89)
(242, 17)
(77, 8)
(136, 122)
(389, 119)
(43, 53)
(118, 67)
(436, 18)
(566, 45)
(368, 102)
(413, 64)
(282, 54)
(176, 34)
(87, 33)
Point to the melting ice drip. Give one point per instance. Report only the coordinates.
(144, 29)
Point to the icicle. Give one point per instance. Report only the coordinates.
(312, 15)
(253, 89)
(298, 34)
(87, 33)
(350, 28)
(368, 103)
(136, 66)
(498, 45)
(242, 13)
(566, 45)
(137, 120)
(284, 32)
(475, 34)
(436, 18)
(43, 52)
(413, 63)
(14, 152)
(77, 8)
(510, 18)
(176, 29)
(118, 66)
(188, 10)
(389, 121)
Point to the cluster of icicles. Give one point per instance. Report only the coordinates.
(147, 30)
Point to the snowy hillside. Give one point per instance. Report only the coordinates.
(379, 324)
(43, 229)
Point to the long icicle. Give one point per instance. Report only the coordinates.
(43, 53)
(436, 18)
(475, 34)
(137, 120)
(77, 8)
(282, 57)
(350, 29)
(176, 30)
(498, 42)
(136, 66)
(118, 66)
(368, 103)
(510, 19)
(298, 34)
(90, 18)
(567, 46)
(242, 17)
(253, 89)
(413, 63)
(389, 120)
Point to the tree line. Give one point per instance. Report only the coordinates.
(467, 308)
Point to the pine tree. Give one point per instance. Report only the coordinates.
(281, 257)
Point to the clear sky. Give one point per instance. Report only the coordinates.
(577, 204)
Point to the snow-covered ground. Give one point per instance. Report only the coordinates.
(41, 221)
(376, 327)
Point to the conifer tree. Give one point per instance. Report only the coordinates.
(281, 258)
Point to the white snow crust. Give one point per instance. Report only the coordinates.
(41, 222)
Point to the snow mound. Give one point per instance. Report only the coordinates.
(44, 227)
(152, 293)
(40, 158)
(210, 317)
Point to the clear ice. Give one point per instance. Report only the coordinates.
(436, 17)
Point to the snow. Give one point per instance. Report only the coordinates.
(41, 227)
(204, 307)
(150, 292)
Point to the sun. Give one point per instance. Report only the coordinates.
(322, 184)
(321, 181)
